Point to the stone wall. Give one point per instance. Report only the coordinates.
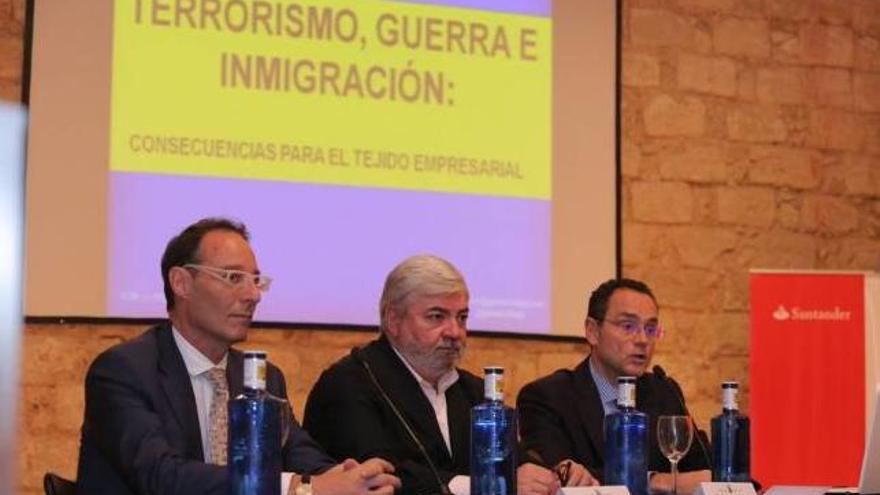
(751, 138)
(12, 13)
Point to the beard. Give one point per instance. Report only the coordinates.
(435, 362)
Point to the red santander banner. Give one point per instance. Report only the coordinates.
(807, 377)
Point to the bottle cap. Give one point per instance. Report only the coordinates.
(493, 370)
(493, 382)
(255, 370)
(626, 391)
(728, 395)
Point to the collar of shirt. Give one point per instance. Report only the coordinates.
(607, 391)
(437, 398)
(196, 363)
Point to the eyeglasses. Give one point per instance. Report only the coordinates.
(234, 278)
(652, 330)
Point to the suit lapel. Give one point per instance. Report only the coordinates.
(399, 382)
(235, 372)
(459, 406)
(647, 398)
(176, 385)
(589, 406)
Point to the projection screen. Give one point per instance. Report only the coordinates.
(347, 135)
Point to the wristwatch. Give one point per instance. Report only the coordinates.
(305, 485)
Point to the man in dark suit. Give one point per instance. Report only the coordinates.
(562, 415)
(155, 414)
(411, 367)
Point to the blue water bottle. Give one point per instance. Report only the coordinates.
(254, 456)
(730, 439)
(493, 440)
(626, 441)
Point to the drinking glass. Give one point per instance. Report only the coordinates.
(285, 418)
(286, 422)
(674, 436)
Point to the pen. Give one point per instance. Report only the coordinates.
(562, 472)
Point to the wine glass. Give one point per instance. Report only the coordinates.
(674, 436)
(286, 422)
(285, 418)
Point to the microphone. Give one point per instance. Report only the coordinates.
(356, 353)
(661, 374)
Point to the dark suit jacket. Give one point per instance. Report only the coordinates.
(347, 415)
(140, 431)
(561, 417)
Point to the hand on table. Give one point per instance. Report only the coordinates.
(373, 476)
(574, 474)
(532, 479)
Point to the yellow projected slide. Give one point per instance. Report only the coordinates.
(358, 92)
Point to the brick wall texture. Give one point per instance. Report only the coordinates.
(751, 139)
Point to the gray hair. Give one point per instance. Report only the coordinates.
(419, 275)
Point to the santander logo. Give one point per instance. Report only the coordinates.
(781, 314)
(804, 314)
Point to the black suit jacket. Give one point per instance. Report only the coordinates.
(347, 415)
(561, 417)
(140, 431)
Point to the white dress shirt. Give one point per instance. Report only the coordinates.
(460, 484)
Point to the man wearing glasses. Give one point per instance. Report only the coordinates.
(155, 413)
(562, 415)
